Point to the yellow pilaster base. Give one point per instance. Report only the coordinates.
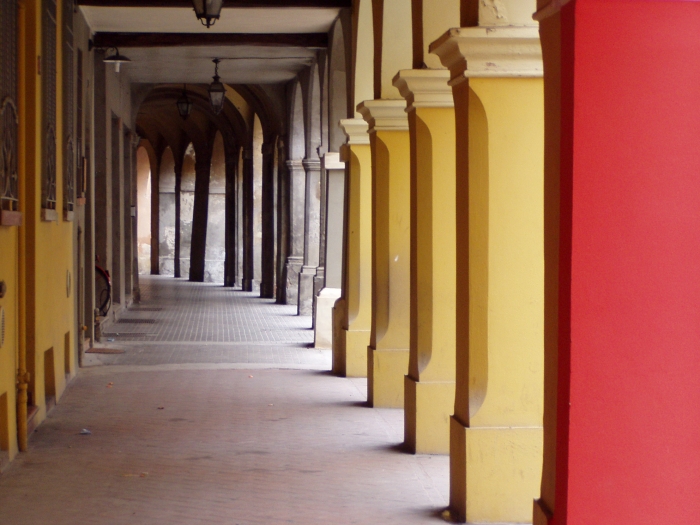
(427, 416)
(494, 472)
(385, 377)
(356, 342)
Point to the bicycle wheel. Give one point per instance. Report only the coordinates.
(103, 291)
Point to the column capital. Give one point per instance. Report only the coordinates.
(495, 52)
(424, 88)
(267, 148)
(356, 131)
(311, 164)
(384, 115)
(331, 161)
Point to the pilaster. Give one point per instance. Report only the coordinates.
(388, 351)
(496, 430)
(430, 383)
(350, 347)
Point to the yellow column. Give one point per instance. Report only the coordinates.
(496, 431)
(353, 312)
(430, 383)
(387, 354)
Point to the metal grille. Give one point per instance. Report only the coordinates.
(8, 109)
(69, 171)
(48, 75)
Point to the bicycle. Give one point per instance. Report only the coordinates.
(103, 289)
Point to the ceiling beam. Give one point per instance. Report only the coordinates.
(309, 40)
(227, 3)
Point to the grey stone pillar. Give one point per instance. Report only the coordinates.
(199, 218)
(128, 220)
(230, 264)
(117, 218)
(333, 254)
(248, 234)
(178, 222)
(312, 228)
(267, 283)
(155, 216)
(297, 198)
(282, 221)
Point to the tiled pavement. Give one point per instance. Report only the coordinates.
(210, 443)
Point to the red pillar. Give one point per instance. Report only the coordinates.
(624, 85)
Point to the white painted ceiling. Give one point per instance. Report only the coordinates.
(242, 64)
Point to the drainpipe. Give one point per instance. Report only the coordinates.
(22, 374)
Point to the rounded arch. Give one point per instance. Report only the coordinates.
(313, 112)
(338, 99)
(297, 133)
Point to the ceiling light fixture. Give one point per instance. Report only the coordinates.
(116, 59)
(207, 11)
(184, 104)
(217, 91)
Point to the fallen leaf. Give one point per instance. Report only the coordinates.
(161, 408)
(251, 377)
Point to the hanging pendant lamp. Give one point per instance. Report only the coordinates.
(184, 104)
(116, 59)
(217, 91)
(207, 11)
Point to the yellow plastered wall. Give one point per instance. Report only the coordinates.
(49, 245)
(9, 243)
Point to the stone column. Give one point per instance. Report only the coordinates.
(199, 218)
(430, 383)
(352, 315)
(496, 430)
(295, 260)
(267, 284)
(312, 226)
(230, 264)
(388, 351)
(333, 258)
(282, 221)
(248, 235)
(178, 222)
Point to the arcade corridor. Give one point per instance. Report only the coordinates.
(250, 431)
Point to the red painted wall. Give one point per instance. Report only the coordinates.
(628, 425)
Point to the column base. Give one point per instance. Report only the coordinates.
(306, 290)
(339, 314)
(428, 407)
(541, 515)
(247, 285)
(292, 270)
(323, 320)
(386, 370)
(356, 342)
(495, 473)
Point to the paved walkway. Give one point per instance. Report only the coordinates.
(219, 443)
